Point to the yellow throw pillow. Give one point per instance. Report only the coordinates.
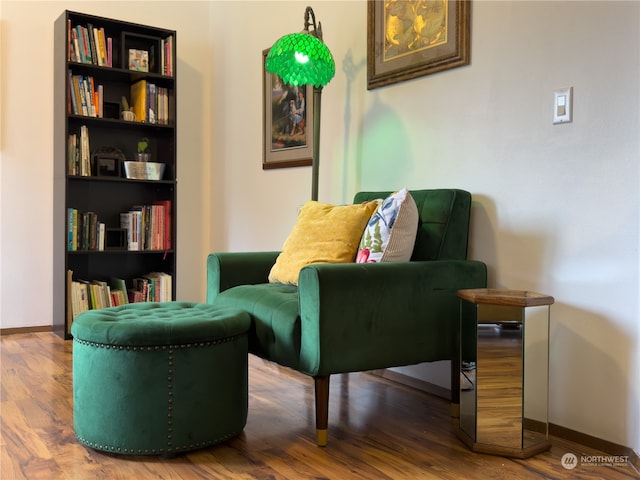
(323, 233)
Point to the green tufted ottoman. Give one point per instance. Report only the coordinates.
(159, 378)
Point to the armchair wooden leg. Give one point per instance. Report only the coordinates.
(322, 409)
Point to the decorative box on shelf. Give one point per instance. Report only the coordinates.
(143, 170)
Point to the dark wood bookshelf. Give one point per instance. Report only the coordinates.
(110, 195)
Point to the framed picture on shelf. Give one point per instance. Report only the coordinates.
(287, 122)
(107, 162)
(138, 60)
(407, 39)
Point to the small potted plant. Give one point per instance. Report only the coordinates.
(143, 147)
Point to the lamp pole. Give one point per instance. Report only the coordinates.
(303, 59)
(315, 159)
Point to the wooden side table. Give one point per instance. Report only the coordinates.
(504, 358)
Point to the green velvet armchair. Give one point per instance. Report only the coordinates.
(359, 316)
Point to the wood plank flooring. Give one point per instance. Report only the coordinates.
(378, 429)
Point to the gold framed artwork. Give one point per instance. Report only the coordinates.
(287, 122)
(407, 39)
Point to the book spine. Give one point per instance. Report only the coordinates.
(75, 229)
(74, 303)
(79, 40)
(170, 56)
(71, 154)
(166, 106)
(158, 230)
(86, 50)
(93, 231)
(75, 50)
(95, 37)
(161, 119)
(85, 164)
(84, 297)
(94, 296)
(89, 33)
(167, 57)
(103, 48)
(151, 103)
(87, 44)
(109, 52)
(163, 63)
(100, 102)
(101, 235)
(70, 229)
(167, 287)
(72, 94)
(84, 87)
(91, 96)
(139, 100)
(69, 44)
(78, 85)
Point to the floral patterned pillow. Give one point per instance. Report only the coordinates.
(391, 232)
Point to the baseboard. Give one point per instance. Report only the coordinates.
(17, 330)
(554, 430)
(413, 382)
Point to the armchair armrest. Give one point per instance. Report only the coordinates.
(359, 317)
(229, 269)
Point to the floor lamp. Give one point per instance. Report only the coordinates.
(303, 59)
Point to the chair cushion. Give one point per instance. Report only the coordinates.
(322, 233)
(390, 234)
(275, 319)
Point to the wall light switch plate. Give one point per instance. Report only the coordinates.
(563, 105)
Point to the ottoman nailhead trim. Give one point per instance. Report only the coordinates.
(157, 347)
(170, 400)
(153, 451)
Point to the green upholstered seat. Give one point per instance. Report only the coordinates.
(159, 378)
(355, 317)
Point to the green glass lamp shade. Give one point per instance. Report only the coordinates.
(301, 59)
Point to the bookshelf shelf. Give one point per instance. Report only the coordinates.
(95, 178)
(110, 230)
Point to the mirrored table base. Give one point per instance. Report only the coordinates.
(504, 371)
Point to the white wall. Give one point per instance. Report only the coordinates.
(556, 207)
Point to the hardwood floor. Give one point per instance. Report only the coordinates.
(377, 430)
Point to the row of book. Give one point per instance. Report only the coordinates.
(148, 227)
(79, 153)
(150, 103)
(84, 231)
(145, 227)
(84, 96)
(86, 295)
(89, 45)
